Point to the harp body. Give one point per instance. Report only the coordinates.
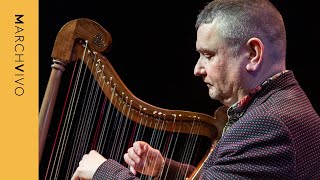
(83, 41)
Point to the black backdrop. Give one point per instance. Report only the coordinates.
(153, 47)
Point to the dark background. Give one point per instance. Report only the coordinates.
(153, 47)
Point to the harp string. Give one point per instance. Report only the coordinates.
(119, 126)
(84, 123)
(134, 130)
(116, 129)
(126, 133)
(141, 129)
(86, 119)
(105, 130)
(155, 138)
(60, 123)
(64, 129)
(168, 143)
(185, 150)
(85, 126)
(124, 128)
(174, 147)
(160, 138)
(98, 131)
(138, 129)
(191, 152)
(188, 151)
(88, 114)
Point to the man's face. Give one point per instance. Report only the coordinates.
(217, 64)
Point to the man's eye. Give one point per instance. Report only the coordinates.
(208, 56)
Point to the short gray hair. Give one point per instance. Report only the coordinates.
(240, 20)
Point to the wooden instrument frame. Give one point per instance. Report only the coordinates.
(68, 48)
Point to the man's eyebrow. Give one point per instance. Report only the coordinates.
(204, 50)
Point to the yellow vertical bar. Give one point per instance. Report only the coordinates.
(19, 89)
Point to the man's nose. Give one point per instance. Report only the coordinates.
(198, 69)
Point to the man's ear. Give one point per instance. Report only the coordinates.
(256, 49)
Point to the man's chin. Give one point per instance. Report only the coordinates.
(213, 95)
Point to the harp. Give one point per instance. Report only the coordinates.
(99, 112)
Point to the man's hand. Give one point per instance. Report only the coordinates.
(144, 159)
(88, 166)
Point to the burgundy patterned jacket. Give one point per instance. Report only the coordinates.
(273, 133)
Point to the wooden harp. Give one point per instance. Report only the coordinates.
(99, 111)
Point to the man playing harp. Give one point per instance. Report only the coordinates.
(273, 132)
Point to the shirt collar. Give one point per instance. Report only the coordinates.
(244, 102)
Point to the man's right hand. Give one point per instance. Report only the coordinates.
(142, 158)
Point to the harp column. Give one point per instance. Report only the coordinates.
(48, 102)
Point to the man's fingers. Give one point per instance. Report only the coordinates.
(93, 152)
(137, 147)
(140, 147)
(133, 155)
(128, 160)
(145, 147)
(75, 175)
(133, 170)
